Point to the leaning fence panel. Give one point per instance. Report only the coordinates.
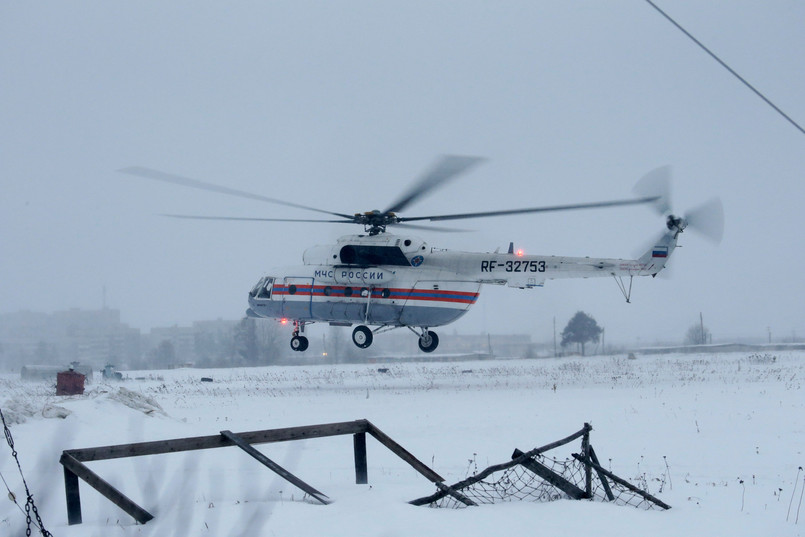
(534, 476)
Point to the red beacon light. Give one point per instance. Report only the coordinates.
(284, 321)
(520, 253)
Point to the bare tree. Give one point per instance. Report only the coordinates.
(698, 334)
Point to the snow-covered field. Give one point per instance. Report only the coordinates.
(722, 436)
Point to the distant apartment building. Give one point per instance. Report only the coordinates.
(93, 337)
(97, 338)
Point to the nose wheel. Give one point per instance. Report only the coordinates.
(362, 337)
(299, 343)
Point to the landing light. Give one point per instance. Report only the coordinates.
(520, 253)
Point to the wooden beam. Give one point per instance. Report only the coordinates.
(73, 496)
(461, 485)
(274, 467)
(115, 496)
(456, 494)
(361, 471)
(601, 476)
(551, 477)
(547, 447)
(216, 441)
(623, 482)
(402, 453)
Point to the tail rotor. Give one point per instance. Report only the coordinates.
(706, 219)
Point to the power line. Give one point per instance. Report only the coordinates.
(727, 67)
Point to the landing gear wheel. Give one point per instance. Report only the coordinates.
(299, 343)
(362, 337)
(428, 341)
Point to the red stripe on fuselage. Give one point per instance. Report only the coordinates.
(431, 295)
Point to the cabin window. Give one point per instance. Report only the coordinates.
(368, 255)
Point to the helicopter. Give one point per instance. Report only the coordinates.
(387, 281)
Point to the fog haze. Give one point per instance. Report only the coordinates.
(341, 105)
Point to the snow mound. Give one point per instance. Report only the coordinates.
(55, 411)
(137, 401)
(16, 411)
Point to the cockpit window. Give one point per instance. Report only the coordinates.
(263, 288)
(367, 255)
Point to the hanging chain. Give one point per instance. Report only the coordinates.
(30, 506)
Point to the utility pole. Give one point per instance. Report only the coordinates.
(703, 339)
(554, 337)
(603, 341)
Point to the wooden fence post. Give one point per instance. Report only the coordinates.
(73, 497)
(585, 452)
(93, 480)
(361, 471)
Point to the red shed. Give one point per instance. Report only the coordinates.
(69, 383)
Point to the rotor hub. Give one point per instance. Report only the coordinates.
(375, 222)
(677, 223)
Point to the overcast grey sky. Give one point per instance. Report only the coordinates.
(340, 105)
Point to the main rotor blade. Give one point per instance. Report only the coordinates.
(157, 175)
(250, 219)
(657, 183)
(433, 228)
(258, 219)
(446, 168)
(593, 205)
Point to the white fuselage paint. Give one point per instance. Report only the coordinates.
(425, 287)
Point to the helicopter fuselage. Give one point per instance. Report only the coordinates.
(391, 281)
